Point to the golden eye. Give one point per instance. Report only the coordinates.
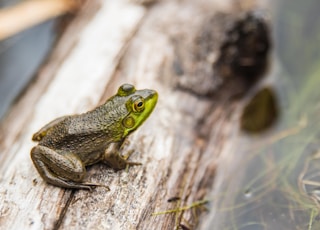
(138, 105)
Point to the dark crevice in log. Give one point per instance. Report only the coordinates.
(58, 222)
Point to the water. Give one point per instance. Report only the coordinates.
(274, 179)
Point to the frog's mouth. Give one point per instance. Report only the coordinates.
(134, 120)
(151, 100)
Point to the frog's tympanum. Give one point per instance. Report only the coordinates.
(69, 143)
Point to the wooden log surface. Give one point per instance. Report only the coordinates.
(107, 44)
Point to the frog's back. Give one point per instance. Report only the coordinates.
(91, 131)
(76, 134)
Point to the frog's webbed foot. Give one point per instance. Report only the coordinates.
(130, 163)
(116, 160)
(84, 185)
(90, 186)
(128, 154)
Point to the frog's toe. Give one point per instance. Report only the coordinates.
(90, 186)
(128, 154)
(130, 163)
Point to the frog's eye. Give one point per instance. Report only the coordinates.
(138, 105)
(126, 89)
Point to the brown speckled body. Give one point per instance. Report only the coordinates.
(68, 144)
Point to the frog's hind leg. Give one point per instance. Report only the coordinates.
(64, 170)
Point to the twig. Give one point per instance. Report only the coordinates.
(193, 205)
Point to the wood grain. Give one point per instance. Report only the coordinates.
(179, 145)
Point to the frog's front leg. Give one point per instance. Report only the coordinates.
(114, 159)
(60, 169)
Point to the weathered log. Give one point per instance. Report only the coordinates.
(178, 145)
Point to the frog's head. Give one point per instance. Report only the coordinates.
(139, 105)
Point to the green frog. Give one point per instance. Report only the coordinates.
(70, 143)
